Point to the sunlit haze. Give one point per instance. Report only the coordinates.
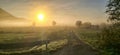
(65, 12)
(41, 17)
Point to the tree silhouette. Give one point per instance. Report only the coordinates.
(87, 24)
(54, 23)
(110, 36)
(78, 23)
(33, 24)
(113, 10)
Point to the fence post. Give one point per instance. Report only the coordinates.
(46, 44)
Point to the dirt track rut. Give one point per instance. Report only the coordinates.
(76, 47)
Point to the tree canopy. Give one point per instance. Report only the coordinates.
(113, 10)
(78, 23)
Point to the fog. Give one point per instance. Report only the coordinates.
(65, 13)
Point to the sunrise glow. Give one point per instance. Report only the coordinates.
(41, 17)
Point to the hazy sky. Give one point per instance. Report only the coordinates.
(62, 11)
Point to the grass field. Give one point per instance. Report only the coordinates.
(31, 40)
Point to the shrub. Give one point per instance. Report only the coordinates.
(110, 39)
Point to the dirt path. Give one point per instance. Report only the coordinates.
(76, 47)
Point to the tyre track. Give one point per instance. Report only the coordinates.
(75, 46)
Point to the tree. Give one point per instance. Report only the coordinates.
(78, 23)
(110, 36)
(33, 24)
(87, 24)
(53, 23)
(113, 10)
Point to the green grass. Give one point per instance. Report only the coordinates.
(89, 36)
(52, 46)
(57, 35)
(18, 35)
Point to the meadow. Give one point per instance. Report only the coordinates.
(33, 40)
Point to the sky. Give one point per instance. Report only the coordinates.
(61, 11)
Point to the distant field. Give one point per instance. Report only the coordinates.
(12, 35)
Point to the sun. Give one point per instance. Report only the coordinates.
(40, 17)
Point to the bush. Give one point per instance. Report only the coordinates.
(110, 39)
